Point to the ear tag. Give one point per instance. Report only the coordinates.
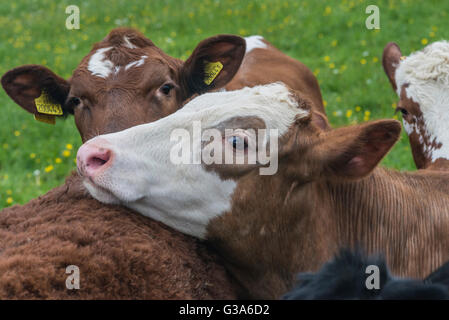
(403, 58)
(211, 71)
(45, 105)
(46, 118)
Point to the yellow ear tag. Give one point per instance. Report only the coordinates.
(45, 105)
(403, 58)
(46, 118)
(211, 71)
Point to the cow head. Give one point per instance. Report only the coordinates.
(421, 81)
(194, 165)
(126, 80)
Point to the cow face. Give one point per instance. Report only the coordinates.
(126, 80)
(421, 83)
(184, 176)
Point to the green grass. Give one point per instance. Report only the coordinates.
(328, 36)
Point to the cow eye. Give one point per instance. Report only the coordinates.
(74, 101)
(402, 110)
(166, 88)
(238, 143)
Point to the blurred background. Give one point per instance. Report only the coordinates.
(330, 37)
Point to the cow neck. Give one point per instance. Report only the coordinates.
(384, 212)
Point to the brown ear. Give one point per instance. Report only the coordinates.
(353, 152)
(25, 83)
(213, 63)
(390, 61)
(320, 120)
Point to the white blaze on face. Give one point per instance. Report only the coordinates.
(254, 42)
(128, 43)
(98, 64)
(426, 74)
(184, 196)
(102, 67)
(137, 63)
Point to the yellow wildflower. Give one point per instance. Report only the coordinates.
(49, 168)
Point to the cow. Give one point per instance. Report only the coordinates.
(421, 81)
(351, 274)
(126, 80)
(127, 69)
(320, 190)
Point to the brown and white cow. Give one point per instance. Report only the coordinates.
(127, 69)
(326, 193)
(421, 81)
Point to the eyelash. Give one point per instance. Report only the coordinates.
(166, 88)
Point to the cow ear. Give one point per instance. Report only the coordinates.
(391, 59)
(26, 83)
(353, 152)
(320, 120)
(213, 63)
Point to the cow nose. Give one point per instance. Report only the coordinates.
(92, 158)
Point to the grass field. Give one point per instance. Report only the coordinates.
(328, 36)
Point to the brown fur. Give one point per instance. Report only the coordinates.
(121, 255)
(325, 197)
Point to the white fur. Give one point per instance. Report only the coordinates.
(128, 43)
(101, 67)
(427, 74)
(137, 63)
(184, 196)
(98, 64)
(254, 42)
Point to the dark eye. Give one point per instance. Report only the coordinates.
(402, 110)
(166, 88)
(238, 143)
(74, 101)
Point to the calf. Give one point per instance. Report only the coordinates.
(421, 81)
(346, 277)
(325, 194)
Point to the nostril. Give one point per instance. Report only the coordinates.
(95, 162)
(98, 159)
